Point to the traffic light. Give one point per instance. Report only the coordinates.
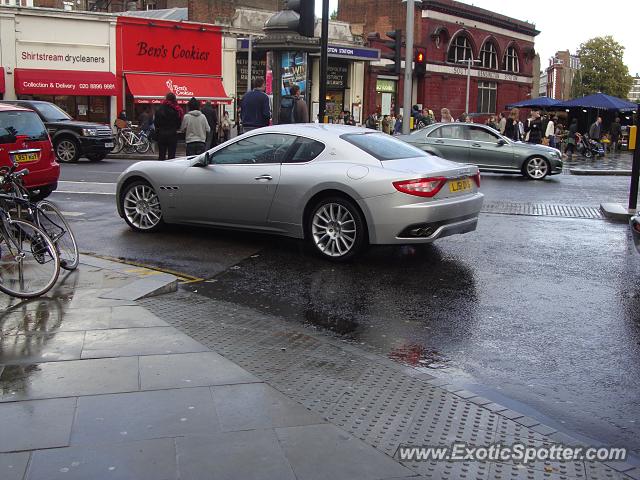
(396, 51)
(419, 59)
(306, 10)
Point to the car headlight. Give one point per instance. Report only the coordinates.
(89, 132)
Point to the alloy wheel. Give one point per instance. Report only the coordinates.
(334, 229)
(66, 151)
(537, 168)
(142, 207)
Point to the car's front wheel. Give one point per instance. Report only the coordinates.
(536, 168)
(141, 207)
(67, 150)
(336, 229)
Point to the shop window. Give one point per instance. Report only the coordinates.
(460, 49)
(511, 62)
(489, 56)
(487, 92)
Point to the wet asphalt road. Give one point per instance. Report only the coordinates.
(538, 311)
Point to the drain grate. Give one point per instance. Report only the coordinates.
(542, 209)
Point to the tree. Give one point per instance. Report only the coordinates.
(334, 15)
(602, 68)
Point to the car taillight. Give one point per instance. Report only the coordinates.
(421, 187)
(476, 178)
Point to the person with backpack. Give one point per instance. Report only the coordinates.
(167, 121)
(293, 108)
(196, 128)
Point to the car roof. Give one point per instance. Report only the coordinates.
(8, 107)
(325, 131)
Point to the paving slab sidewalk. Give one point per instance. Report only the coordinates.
(182, 387)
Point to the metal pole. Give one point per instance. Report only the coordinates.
(635, 169)
(466, 105)
(324, 47)
(408, 68)
(249, 64)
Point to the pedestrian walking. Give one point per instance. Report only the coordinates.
(225, 127)
(571, 138)
(550, 132)
(196, 129)
(386, 125)
(397, 128)
(595, 131)
(445, 116)
(255, 107)
(511, 129)
(293, 108)
(534, 129)
(211, 114)
(502, 123)
(167, 121)
(615, 132)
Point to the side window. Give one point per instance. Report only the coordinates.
(448, 131)
(305, 150)
(267, 148)
(479, 134)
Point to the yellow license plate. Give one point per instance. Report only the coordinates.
(26, 157)
(459, 185)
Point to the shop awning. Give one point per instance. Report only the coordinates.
(151, 88)
(64, 82)
(1, 79)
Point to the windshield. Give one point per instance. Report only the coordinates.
(383, 146)
(22, 123)
(52, 112)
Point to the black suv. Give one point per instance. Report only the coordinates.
(71, 138)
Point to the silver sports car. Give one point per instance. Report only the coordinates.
(339, 187)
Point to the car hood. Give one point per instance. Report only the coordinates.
(533, 147)
(429, 165)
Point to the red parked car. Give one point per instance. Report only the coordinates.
(24, 139)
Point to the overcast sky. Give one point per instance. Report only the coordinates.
(565, 24)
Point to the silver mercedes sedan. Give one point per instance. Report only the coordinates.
(340, 188)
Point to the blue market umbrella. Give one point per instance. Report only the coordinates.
(540, 102)
(601, 102)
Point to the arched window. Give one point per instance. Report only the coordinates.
(460, 49)
(489, 56)
(511, 62)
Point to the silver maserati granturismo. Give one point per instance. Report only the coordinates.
(340, 188)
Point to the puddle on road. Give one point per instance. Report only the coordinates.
(419, 356)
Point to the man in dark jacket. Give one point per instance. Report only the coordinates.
(255, 108)
(595, 131)
(535, 128)
(167, 121)
(616, 131)
(211, 114)
(300, 109)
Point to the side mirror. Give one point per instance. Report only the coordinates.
(501, 142)
(203, 160)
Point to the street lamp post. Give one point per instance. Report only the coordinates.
(468, 61)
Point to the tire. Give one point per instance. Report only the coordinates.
(67, 150)
(336, 229)
(141, 207)
(38, 266)
(51, 220)
(96, 157)
(588, 153)
(144, 145)
(536, 168)
(117, 144)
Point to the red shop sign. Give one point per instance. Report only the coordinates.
(163, 46)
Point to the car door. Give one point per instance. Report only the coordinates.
(486, 149)
(237, 187)
(450, 142)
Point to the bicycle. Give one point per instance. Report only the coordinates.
(44, 214)
(29, 261)
(129, 141)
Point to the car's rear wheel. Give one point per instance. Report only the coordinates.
(67, 150)
(141, 207)
(536, 168)
(336, 229)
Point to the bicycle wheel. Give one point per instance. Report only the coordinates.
(29, 263)
(117, 143)
(51, 220)
(143, 144)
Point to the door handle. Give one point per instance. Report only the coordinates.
(264, 177)
(476, 145)
(439, 141)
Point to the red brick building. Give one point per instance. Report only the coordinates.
(450, 33)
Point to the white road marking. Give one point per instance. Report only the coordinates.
(87, 183)
(73, 214)
(93, 188)
(84, 193)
